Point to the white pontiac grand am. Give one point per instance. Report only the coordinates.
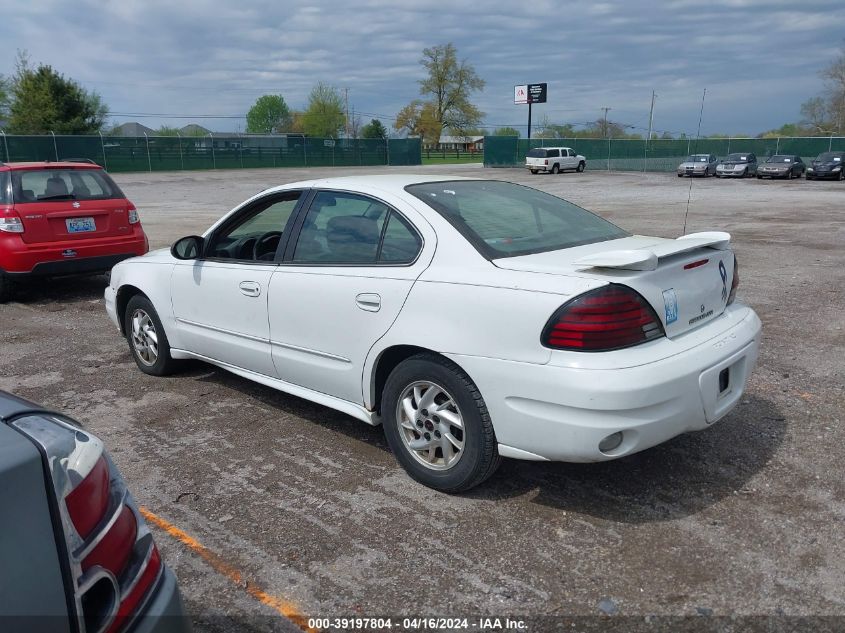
(473, 319)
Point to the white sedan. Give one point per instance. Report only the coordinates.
(473, 319)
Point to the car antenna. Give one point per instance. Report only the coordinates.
(697, 136)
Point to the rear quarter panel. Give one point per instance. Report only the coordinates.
(31, 582)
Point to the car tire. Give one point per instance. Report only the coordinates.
(406, 422)
(147, 340)
(680, 175)
(533, 171)
(759, 177)
(581, 167)
(5, 288)
(841, 175)
(555, 169)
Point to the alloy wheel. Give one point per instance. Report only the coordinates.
(430, 425)
(144, 337)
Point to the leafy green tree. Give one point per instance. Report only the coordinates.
(269, 114)
(419, 118)
(505, 131)
(374, 129)
(45, 101)
(324, 116)
(447, 88)
(167, 130)
(5, 98)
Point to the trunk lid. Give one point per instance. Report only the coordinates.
(687, 281)
(68, 220)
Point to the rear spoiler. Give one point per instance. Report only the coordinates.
(647, 258)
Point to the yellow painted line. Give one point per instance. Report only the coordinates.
(283, 607)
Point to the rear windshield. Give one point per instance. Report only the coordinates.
(538, 153)
(36, 185)
(502, 219)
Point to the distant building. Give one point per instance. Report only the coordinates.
(132, 128)
(192, 129)
(461, 143)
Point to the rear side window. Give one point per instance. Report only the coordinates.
(401, 243)
(38, 185)
(5, 194)
(351, 229)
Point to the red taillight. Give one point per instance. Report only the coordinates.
(607, 318)
(115, 547)
(110, 549)
(133, 599)
(87, 503)
(10, 221)
(734, 282)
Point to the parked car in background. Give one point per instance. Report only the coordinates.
(554, 160)
(63, 218)
(828, 165)
(737, 165)
(473, 319)
(73, 544)
(782, 166)
(698, 165)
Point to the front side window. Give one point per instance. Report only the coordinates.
(502, 219)
(255, 235)
(352, 229)
(63, 184)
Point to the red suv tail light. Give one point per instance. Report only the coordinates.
(11, 222)
(607, 318)
(113, 561)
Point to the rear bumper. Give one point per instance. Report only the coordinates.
(560, 413)
(20, 259)
(165, 612)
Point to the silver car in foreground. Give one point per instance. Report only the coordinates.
(698, 165)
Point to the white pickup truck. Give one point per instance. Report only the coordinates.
(554, 160)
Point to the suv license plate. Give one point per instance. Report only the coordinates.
(80, 225)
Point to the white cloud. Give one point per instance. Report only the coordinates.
(206, 57)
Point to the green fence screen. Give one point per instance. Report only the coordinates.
(656, 155)
(173, 153)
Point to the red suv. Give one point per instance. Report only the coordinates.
(63, 218)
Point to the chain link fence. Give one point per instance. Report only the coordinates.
(654, 155)
(213, 151)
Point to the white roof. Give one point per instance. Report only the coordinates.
(394, 183)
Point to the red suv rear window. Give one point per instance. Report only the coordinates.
(44, 185)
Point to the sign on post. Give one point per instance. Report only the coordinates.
(529, 93)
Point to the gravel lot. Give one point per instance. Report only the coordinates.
(745, 518)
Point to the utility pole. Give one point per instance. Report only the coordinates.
(607, 134)
(346, 109)
(648, 137)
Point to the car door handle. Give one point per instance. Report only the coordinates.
(250, 288)
(368, 301)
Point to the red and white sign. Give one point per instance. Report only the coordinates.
(520, 94)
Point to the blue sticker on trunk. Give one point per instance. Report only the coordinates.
(670, 303)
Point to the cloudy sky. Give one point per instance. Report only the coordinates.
(175, 62)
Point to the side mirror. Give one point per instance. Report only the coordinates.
(187, 248)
